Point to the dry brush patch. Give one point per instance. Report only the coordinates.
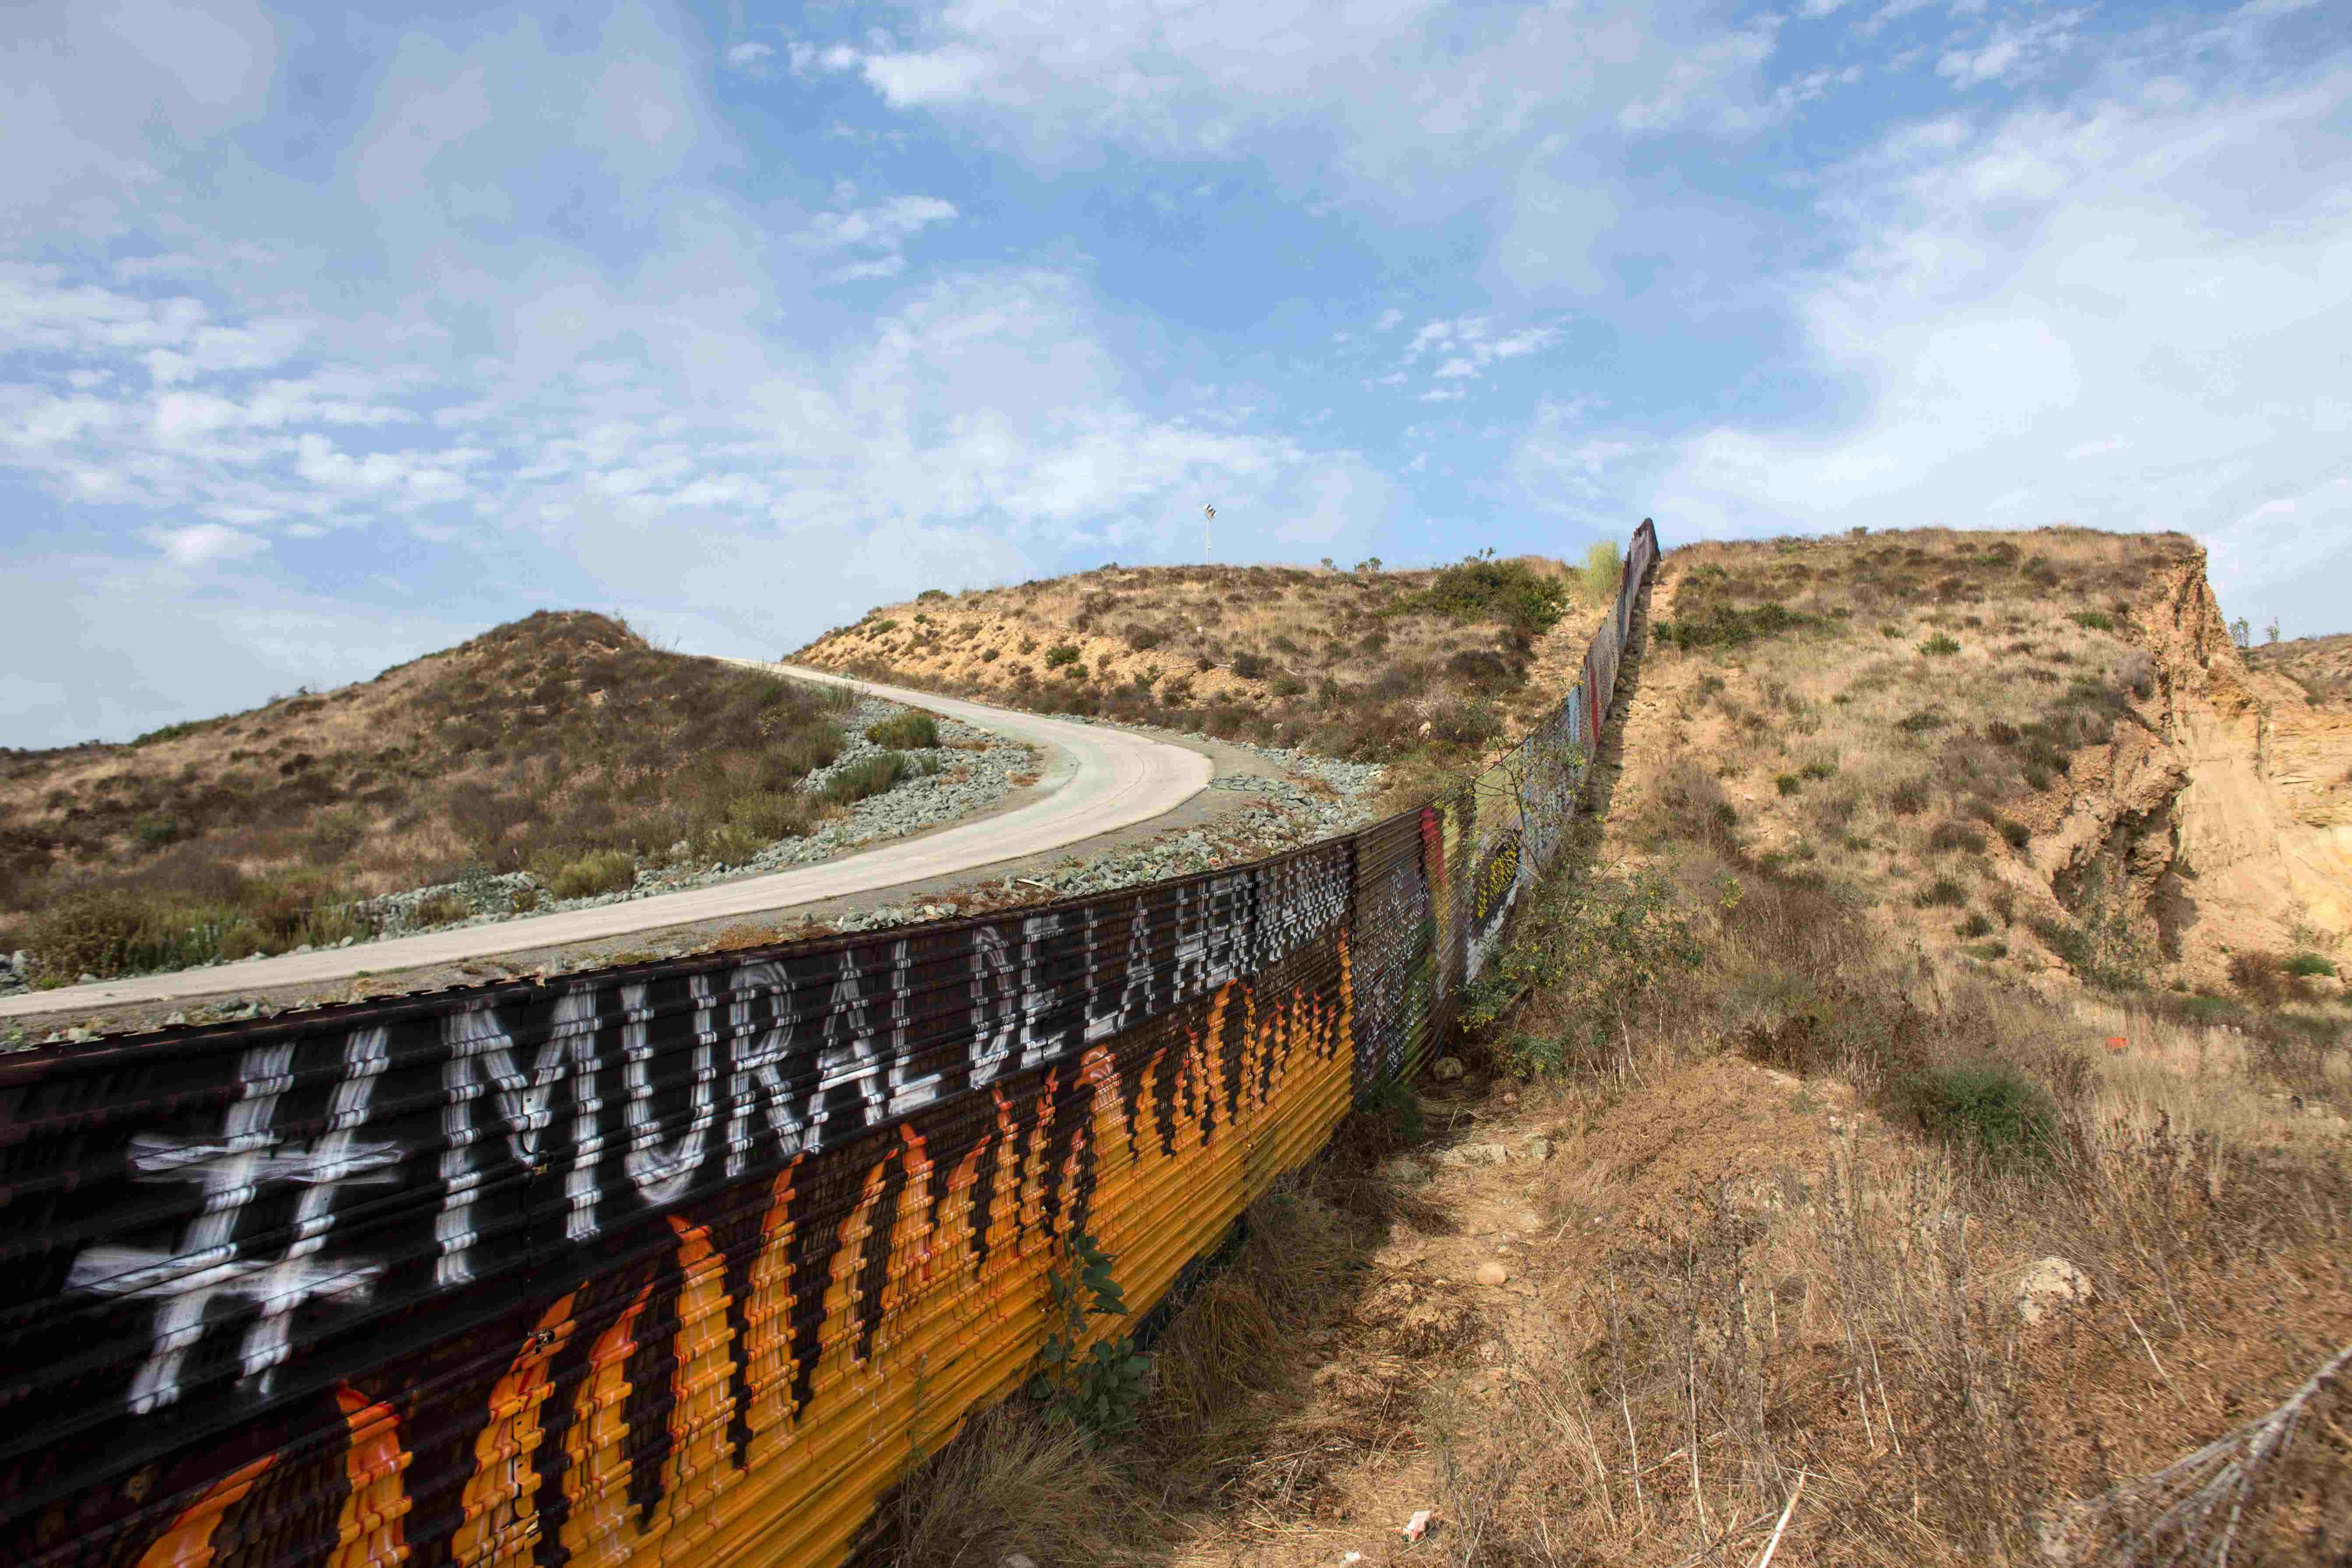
(562, 744)
(1797, 1192)
(1971, 731)
(1362, 663)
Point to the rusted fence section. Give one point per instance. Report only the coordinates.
(680, 1263)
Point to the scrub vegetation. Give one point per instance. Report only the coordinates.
(563, 744)
(1828, 1188)
(1365, 663)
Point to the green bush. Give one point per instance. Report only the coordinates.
(1787, 784)
(871, 776)
(606, 871)
(878, 627)
(2306, 965)
(1481, 588)
(1061, 654)
(729, 844)
(1727, 627)
(1603, 571)
(99, 932)
(1943, 893)
(1593, 945)
(991, 654)
(768, 815)
(2093, 620)
(1940, 645)
(933, 593)
(2016, 833)
(1986, 1106)
(909, 732)
(441, 910)
(1949, 836)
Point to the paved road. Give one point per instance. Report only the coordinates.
(1101, 780)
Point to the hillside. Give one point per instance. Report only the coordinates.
(2031, 750)
(1367, 663)
(1909, 1129)
(563, 744)
(2320, 668)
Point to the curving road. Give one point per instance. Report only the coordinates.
(1101, 780)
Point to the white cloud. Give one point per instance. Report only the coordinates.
(1409, 90)
(2102, 315)
(202, 544)
(1469, 349)
(2011, 53)
(1694, 94)
(105, 91)
(881, 230)
(942, 76)
(749, 56)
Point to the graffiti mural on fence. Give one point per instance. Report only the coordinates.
(1396, 945)
(333, 1181)
(684, 1261)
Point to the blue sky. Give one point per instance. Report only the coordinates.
(329, 338)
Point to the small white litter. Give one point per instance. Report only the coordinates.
(1417, 1526)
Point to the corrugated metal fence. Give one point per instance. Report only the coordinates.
(682, 1262)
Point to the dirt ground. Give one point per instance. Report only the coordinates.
(1486, 1392)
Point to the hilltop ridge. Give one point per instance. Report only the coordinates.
(1365, 663)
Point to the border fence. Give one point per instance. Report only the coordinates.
(683, 1262)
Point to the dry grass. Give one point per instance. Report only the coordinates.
(1998, 786)
(2321, 667)
(1746, 1269)
(1225, 1399)
(1354, 663)
(560, 743)
(1755, 1297)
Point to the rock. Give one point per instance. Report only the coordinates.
(2050, 1284)
(1402, 1171)
(87, 978)
(1539, 1149)
(1493, 1274)
(1447, 1069)
(1475, 1154)
(1016, 1560)
(174, 1020)
(1529, 1220)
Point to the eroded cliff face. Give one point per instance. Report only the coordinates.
(2226, 811)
